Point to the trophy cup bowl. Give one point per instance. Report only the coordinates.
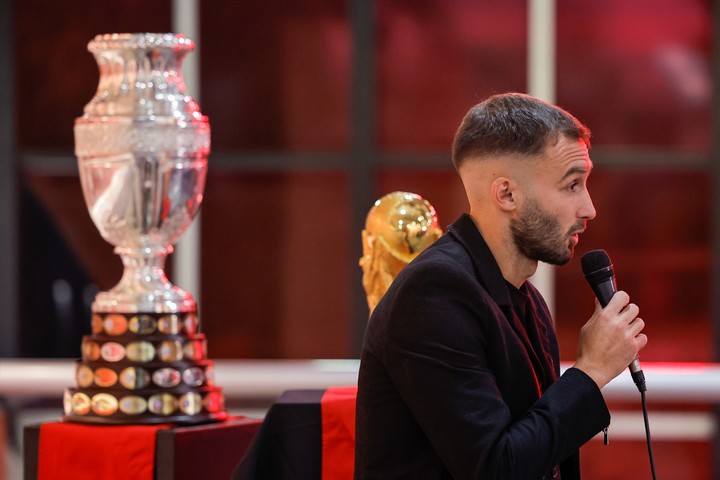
(141, 202)
(142, 147)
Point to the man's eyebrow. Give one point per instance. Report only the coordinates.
(576, 170)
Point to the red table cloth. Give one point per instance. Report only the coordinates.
(338, 433)
(78, 452)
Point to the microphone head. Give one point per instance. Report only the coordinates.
(595, 260)
(599, 273)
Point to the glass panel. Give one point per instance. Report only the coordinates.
(437, 58)
(637, 73)
(62, 259)
(55, 75)
(658, 235)
(275, 74)
(275, 258)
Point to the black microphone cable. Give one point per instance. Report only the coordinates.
(598, 271)
(647, 433)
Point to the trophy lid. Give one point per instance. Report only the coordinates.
(114, 41)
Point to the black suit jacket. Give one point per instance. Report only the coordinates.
(447, 387)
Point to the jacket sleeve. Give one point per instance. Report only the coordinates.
(446, 344)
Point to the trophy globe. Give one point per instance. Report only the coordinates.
(398, 227)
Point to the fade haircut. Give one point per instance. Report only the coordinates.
(513, 123)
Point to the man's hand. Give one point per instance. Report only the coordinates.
(611, 339)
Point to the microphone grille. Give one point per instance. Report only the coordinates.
(595, 260)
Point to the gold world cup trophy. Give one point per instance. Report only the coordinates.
(142, 147)
(398, 227)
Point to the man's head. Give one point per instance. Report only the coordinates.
(513, 123)
(525, 164)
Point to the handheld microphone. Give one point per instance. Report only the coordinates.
(598, 271)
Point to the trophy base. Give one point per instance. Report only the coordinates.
(144, 368)
(115, 407)
(178, 420)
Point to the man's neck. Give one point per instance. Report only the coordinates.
(515, 267)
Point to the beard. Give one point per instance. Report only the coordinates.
(538, 235)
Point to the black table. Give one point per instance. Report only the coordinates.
(288, 445)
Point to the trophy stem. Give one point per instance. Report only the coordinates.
(144, 287)
(144, 269)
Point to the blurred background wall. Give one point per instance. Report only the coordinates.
(317, 108)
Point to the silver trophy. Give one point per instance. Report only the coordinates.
(142, 147)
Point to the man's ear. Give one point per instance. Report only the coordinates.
(504, 193)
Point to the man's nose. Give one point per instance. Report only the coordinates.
(587, 209)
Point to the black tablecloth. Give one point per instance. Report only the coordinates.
(288, 445)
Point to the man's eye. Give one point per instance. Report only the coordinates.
(573, 186)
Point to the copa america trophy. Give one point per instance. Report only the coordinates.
(142, 147)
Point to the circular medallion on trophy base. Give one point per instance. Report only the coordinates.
(144, 368)
(148, 407)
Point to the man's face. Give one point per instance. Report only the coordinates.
(538, 235)
(557, 207)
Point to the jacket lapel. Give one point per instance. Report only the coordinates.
(490, 277)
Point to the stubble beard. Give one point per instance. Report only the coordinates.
(537, 235)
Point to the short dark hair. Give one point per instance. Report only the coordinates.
(513, 123)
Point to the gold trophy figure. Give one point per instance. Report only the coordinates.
(398, 227)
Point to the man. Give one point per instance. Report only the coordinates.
(459, 376)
